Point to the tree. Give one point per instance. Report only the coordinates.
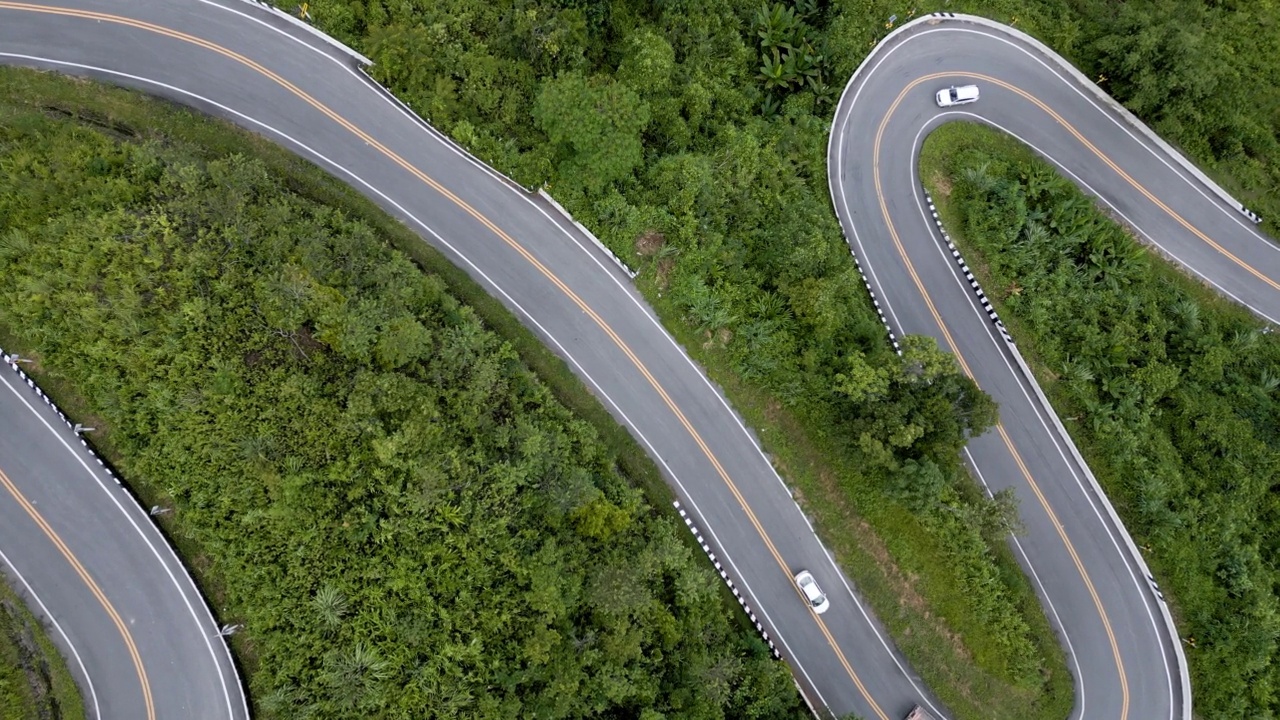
(648, 63)
(1162, 62)
(595, 124)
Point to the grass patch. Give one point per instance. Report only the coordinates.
(1167, 388)
(34, 681)
(131, 117)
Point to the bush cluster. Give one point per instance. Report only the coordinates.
(1173, 393)
(405, 521)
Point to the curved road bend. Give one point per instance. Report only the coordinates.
(1125, 659)
(136, 633)
(236, 60)
(306, 96)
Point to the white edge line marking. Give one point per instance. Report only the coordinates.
(1066, 636)
(759, 606)
(168, 570)
(1052, 434)
(97, 712)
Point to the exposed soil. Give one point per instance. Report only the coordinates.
(941, 183)
(649, 242)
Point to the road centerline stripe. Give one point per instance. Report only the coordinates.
(508, 240)
(955, 349)
(1275, 285)
(90, 583)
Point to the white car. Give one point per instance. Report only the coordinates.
(813, 593)
(953, 95)
(918, 713)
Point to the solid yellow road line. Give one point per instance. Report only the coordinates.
(1127, 178)
(508, 240)
(955, 350)
(90, 583)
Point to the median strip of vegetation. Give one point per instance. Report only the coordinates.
(364, 475)
(1171, 392)
(34, 681)
(691, 139)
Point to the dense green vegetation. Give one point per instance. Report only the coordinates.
(691, 138)
(706, 169)
(1205, 75)
(1172, 393)
(34, 681)
(405, 520)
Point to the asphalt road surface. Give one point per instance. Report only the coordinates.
(134, 629)
(1126, 659)
(239, 61)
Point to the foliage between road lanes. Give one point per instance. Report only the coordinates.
(1171, 392)
(726, 206)
(404, 519)
(34, 681)
(691, 137)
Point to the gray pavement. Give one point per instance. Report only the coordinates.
(137, 635)
(1126, 659)
(238, 61)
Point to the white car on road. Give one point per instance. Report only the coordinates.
(813, 593)
(953, 95)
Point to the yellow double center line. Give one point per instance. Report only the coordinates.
(89, 582)
(1119, 171)
(508, 240)
(955, 350)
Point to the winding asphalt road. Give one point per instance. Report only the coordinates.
(1124, 651)
(137, 635)
(239, 61)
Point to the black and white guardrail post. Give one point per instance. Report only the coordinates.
(1108, 508)
(725, 576)
(968, 274)
(876, 303)
(13, 362)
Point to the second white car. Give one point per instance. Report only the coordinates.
(817, 599)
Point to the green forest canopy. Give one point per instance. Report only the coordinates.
(730, 101)
(737, 95)
(405, 521)
(1172, 392)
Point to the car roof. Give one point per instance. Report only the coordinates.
(809, 584)
(964, 92)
